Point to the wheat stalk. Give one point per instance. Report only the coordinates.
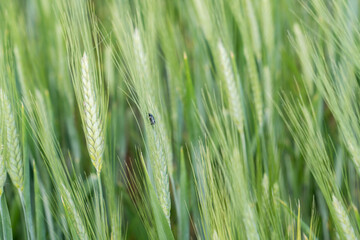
(233, 95)
(14, 163)
(343, 219)
(93, 124)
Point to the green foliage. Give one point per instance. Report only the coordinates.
(256, 119)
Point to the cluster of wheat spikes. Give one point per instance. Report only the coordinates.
(193, 119)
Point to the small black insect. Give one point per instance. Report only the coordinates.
(152, 119)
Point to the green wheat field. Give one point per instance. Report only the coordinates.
(179, 119)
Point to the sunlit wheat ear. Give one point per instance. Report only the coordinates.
(73, 214)
(93, 125)
(215, 236)
(343, 219)
(139, 53)
(13, 159)
(231, 89)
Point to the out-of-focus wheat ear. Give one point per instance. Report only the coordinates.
(255, 85)
(13, 159)
(93, 124)
(268, 26)
(276, 196)
(250, 222)
(215, 236)
(232, 93)
(265, 187)
(73, 214)
(254, 29)
(268, 92)
(343, 219)
(304, 55)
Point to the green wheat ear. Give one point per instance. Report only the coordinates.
(232, 92)
(160, 150)
(73, 214)
(93, 125)
(13, 159)
(343, 218)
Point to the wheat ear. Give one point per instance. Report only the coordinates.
(231, 89)
(161, 176)
(255, 85)
(160, 150)
(14, 163)
(73, 214)
(343, 219)
(93, 124)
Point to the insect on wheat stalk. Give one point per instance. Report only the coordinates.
(159, 148)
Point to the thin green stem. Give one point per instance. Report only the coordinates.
(101, 206)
